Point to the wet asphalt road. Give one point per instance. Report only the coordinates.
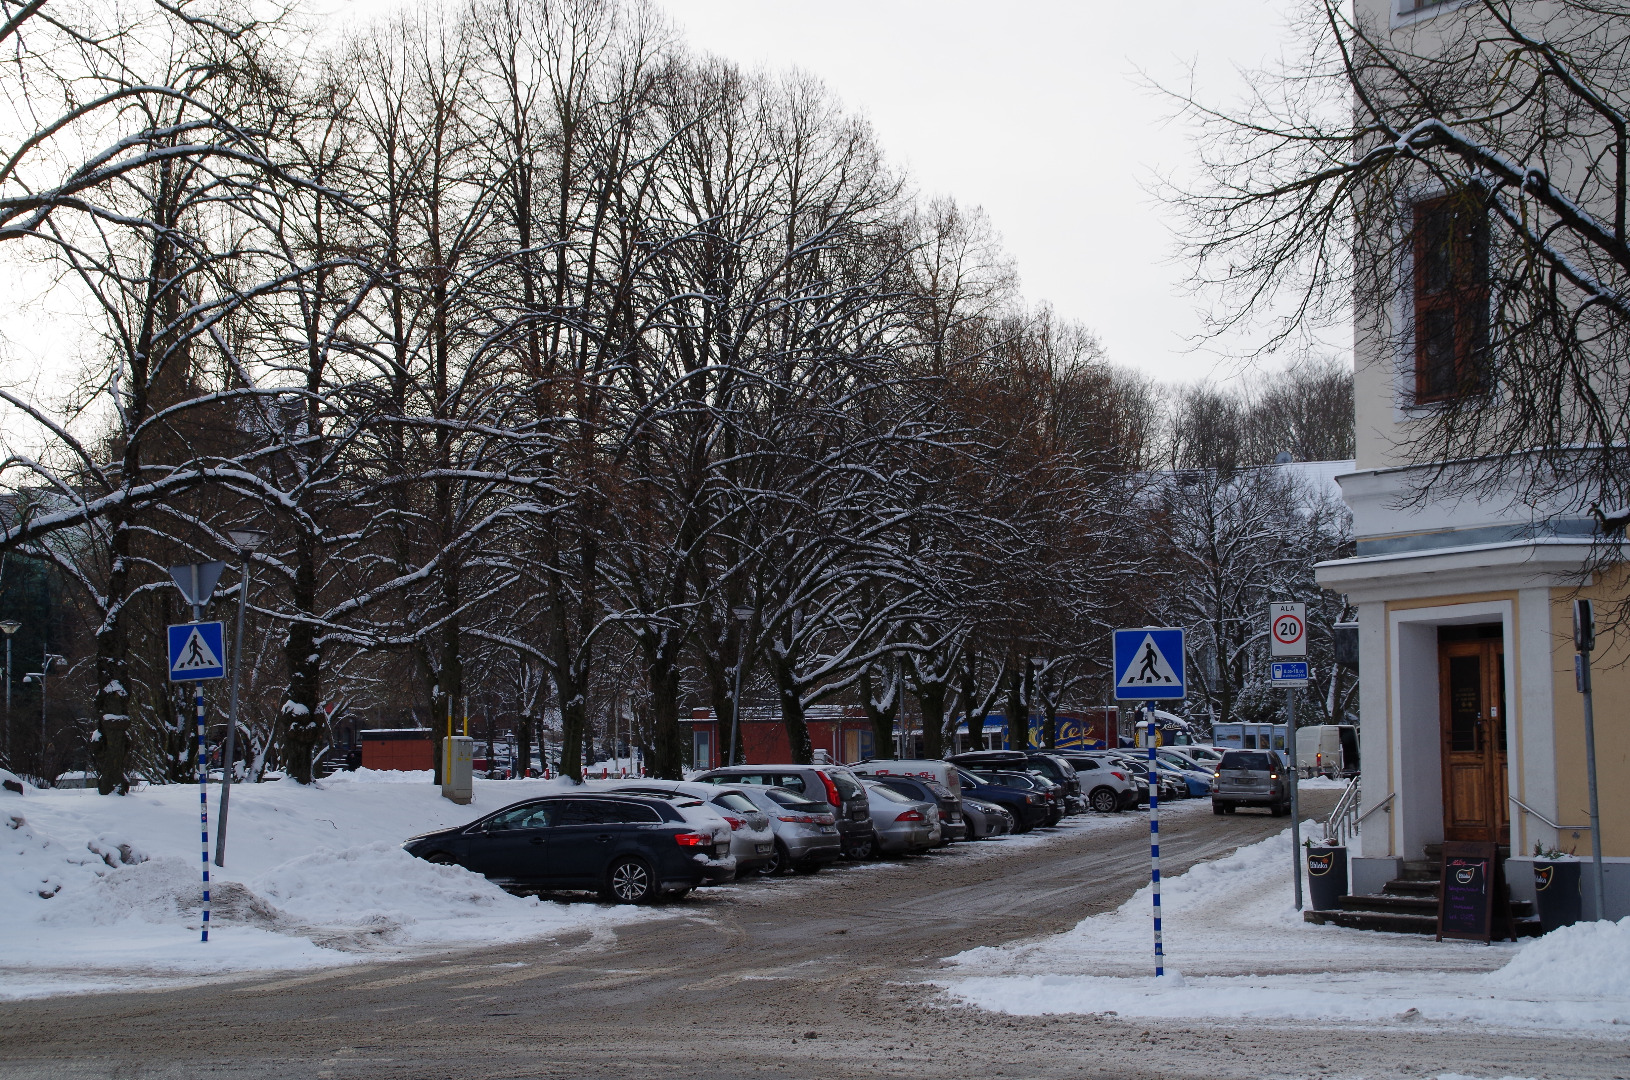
(817, 977)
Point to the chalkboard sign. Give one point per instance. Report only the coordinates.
(1471, 894)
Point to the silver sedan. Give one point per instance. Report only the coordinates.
(806, 832)
(902, 825)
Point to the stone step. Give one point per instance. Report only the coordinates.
(1406, 887)
(1400, 923)
(1407, 905)
(1421, 870)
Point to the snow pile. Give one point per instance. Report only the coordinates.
(1587, 958)
(104, 891)
(1237, 948)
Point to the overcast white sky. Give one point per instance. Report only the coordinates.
(1033, 110)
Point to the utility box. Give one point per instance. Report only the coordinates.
(456, 752)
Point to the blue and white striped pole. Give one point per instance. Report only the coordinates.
(203, 798)
(1154, 839)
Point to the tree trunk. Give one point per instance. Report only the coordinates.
(1018, 716)
(792, 713)
(931, 703)
(883, 742)
(668, 743)
(523, 747)
(111, 741)
(302, 719)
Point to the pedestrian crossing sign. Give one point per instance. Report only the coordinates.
(1149, 664)
(196, 652)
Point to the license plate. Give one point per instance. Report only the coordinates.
(765, 849)
(829, 828)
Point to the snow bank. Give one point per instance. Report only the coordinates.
(1231, 928)
(103, 891)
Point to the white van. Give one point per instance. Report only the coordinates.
(1327, 750)
(942, 773)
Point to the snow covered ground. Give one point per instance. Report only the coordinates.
(1236, 948)
(101, 892)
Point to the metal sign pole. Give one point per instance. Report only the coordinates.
(1584, 639)
(231, 718)
(203, 800)
(1295, 788)
(1154, 840)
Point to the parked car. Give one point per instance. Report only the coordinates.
(1031, 781)
(1193, 783)
(806, 831)
(940, 772)
(629, 848)
(752, 841)
(1116, 760)
(1205, 756)
(903, 825)
(1052, 765)
(1108, 789)
(950, 807)
(1171, 787)
(1029, 808)
(832, 784)
(985, 819)
(1251, 778)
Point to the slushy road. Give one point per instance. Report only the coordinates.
(801, 977)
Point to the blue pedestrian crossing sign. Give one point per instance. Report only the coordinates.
(196, 652)
(1149, 663)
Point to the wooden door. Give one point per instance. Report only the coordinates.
(1472, 716)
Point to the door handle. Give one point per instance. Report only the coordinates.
(536, 840)
(603, 836)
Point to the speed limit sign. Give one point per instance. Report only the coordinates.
(1287, 629)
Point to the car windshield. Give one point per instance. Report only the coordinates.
(889, 793)
(1242, 759)
(790, 799)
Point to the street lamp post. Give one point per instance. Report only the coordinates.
(744, 615)
(246, 540)
(45, 665)
(8, 627)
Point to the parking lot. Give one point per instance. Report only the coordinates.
(798, 976)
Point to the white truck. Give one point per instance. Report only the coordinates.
(1327, 750)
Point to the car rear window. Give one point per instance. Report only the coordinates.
(735, 800)
(790, 799)
(1243, 759)
(890, 794)
(632, 813)
(846, 784)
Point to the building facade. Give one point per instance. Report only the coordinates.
(1472, 728)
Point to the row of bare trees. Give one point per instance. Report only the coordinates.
(542, 348)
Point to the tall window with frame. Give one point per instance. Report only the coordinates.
(1451, 291)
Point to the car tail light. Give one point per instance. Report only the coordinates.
(735, 822)
(825, 819)
(910, 815)
(1032, 799)
(800, 819)
(1119, 776)
(694, 839)
(831, 790)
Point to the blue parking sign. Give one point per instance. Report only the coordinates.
(1149, 664)
(196, 652)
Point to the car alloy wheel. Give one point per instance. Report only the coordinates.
(863, 848)
(779, 861)
(630, 881)
(1105, 801)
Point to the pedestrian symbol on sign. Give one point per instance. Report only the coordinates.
(196, 651)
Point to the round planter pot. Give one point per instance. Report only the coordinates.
(1556, 892)
(1326, 877)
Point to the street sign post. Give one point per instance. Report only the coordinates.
(196, 652)
(1149, 664)
(1287, 637)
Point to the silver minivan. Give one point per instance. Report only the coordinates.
(1251, 778)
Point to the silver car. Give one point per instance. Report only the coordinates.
(903, 825)
(806, 832)
(985, 819)
(752, 841)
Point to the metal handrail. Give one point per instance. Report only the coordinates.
(1542, 817)
(1382, 805)
(1342, 823)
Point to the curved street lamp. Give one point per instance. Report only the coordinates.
(246, 541)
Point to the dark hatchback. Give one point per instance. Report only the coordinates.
(630, 849)
(1029, 808)
(1054, 766)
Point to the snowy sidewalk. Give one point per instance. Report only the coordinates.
(102, 892)
(1236, 948)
